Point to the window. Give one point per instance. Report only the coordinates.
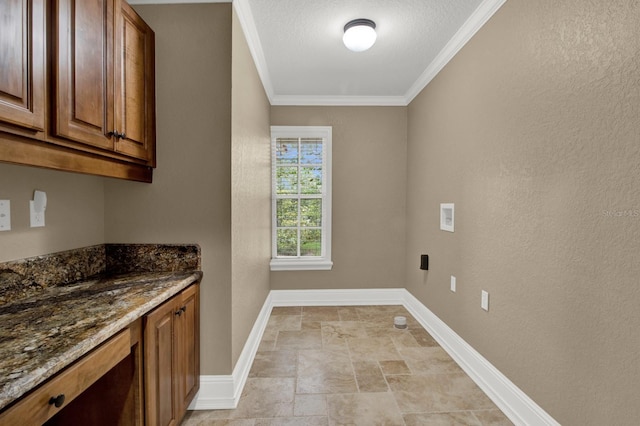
(301, 198)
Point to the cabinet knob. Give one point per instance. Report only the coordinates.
(57, 400)
(178, 312)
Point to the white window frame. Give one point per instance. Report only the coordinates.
(303, 263)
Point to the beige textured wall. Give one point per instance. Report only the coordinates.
(250, 194)
(369, 186)
(74, 216)
(189, 200)
(532, 130)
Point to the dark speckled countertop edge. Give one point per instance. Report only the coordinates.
(20, 386)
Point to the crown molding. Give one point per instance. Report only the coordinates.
(248, 24)
(471, 26)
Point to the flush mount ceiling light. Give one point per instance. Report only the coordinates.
(359, 34)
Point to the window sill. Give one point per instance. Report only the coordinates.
(301, 265)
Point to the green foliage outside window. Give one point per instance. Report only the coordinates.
(298, 192)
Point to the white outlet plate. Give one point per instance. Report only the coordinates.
(453, 283)
(37, 219)
(484, 302)
(5, 215)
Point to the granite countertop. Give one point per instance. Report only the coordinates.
(41, 335)
(43, 332)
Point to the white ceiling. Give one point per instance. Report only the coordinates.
(297, 46)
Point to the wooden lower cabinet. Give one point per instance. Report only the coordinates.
(78, 395)
(147, 374)
(172, 358)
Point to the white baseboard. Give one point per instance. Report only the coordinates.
(223, 392)
(373, 296)
(513, 402)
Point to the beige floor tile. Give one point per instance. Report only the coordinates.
(459, 418)
(325, 371)
(225, 422)
(274, 364)
(284, 322)
(320, 313)
(404, 340)
(302, 339)
(348, 313)
(279, 323)
(315, 310)
(310, 324)
(429, 360)
(293, 421)
(437, 393)
(366, 409)
(267, 345)
(266, 397)
(317, 366)
(373, 349)
(369, 377)
(336, 333)
(423, 338)
(208, 417)
(376, 316)
(383, 309)
(384, 330)
(287, 310)
(310, 405)
(394, 367)
(492, 418)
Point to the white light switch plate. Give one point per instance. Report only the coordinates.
(5, 215)
(453, 283)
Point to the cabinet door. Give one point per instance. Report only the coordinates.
(188, 341)
(160, 365)
(22, 63)
(84, 71)
(135, 86)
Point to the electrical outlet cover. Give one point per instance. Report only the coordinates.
(37, 218)
(484, 302)
(447, 218)
(5, 215)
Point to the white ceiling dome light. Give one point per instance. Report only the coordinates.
(359, 34)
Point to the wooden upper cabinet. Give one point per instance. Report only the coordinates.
(105, 85)
(77, 87)
(84, 71)
(135, 86)
(22, 63)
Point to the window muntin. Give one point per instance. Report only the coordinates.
(301, 197)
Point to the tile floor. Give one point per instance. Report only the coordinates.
(350, 366)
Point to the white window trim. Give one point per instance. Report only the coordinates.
(321, 263)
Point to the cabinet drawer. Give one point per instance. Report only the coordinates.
(37, 407)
